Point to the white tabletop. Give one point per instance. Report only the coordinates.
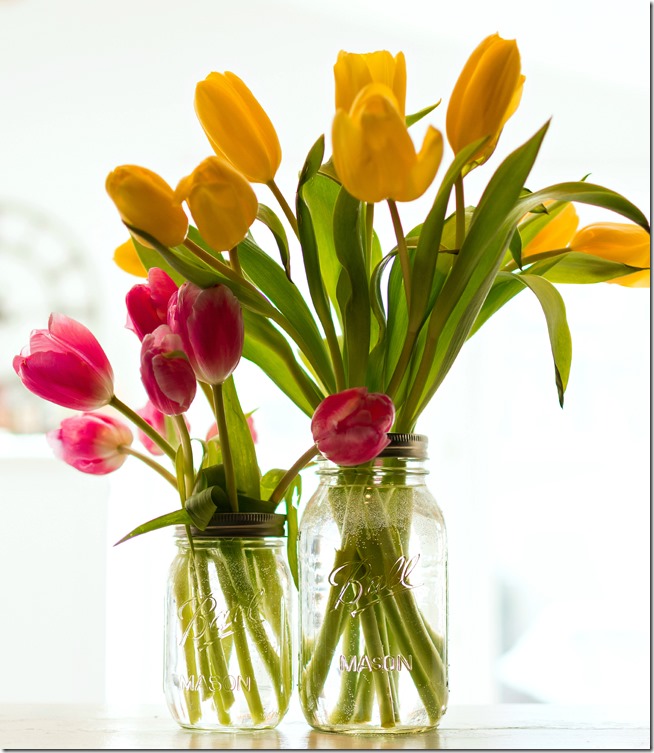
(522, 726)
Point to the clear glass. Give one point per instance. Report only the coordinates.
(228, 643)
(373, 601)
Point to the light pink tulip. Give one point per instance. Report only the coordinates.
(213, 430)
(210, 323)
(349, 428)
(166, 372)
(91, 442)
(147, 303)
(157, 421)
(66, 365)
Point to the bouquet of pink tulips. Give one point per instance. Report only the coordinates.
(383, 323)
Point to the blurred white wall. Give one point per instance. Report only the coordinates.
(551, 505)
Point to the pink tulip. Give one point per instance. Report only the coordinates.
(213, 430)
(91, 442)
(166, 372)
(210, 323)
(349, 428)
(147, 304)
(157, 421)
(66, 365)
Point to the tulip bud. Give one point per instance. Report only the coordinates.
(91, 442)
(350, 427)
(157, 421)
(237, 126)
(145, 201)
(221, 201)
(555, 235)
(66, 365)
(373, 153)
(210, 324)
(147, 304)
(166, 372)
(126, 257)
(486, 94)
(620, 242)
(353, 72)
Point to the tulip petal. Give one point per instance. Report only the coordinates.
(75, 337)
(127, 258)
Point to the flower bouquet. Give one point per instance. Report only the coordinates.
(367, 348)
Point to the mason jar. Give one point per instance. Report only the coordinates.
(373, 596)
(228, 639)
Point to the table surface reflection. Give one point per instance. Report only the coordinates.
(505, 726)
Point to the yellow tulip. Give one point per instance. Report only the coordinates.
(620, 242)
(374, 156)
(485, 96)
(237, 126)
(145, 201)
(128, 260)
(556, 234)
(221, 201)
(353, 72)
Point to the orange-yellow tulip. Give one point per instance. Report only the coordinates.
(354, 71)
(374, 156)
(221, 201)
(126, 257)
(485, 96)
(620, 242)
(237, 126)
(555, 235)
(145, 201)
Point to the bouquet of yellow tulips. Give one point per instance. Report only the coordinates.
(379, 318)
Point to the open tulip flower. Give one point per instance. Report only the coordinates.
(66, 365)
(353, 72)
(147, 304)
(91, 442)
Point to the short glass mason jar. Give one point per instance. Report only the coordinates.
(228, 639)
(373, 596)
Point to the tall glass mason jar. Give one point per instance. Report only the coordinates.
(228, 660)
(373, 596)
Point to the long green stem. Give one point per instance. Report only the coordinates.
(234, 260)
(402, 251)
(512, 266)
(370, 217)
(460, 211)
(402, 363)
(228, 462)
(284, 206)
(291, 473)
(187, 450)
(150, 463)
(144, 426)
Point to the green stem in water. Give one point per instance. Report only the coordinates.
(150, 463)
(402, 251)
(228, 462)
(144, 426)
(284, 205)
(460, 211)
(291, 473)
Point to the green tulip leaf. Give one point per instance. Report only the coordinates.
(274, 224)
(313, 161)
(244, 456)
(412, 119)
(515, 247)
(176, 518)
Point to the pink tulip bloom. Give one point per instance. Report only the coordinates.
(349, 428)
(147, 304)
(210, 323)
(166, 372)
(157, 421)
(213, 430)
(91, 442)
(66, 365)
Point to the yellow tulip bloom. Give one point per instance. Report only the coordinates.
(485, 96)
(237, 126)
(374, 156)
(556, 234)
(128, 260)
(353, 72)
(145, 201)
(221, 201)
(621, 242)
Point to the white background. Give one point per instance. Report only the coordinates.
(547, 510)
